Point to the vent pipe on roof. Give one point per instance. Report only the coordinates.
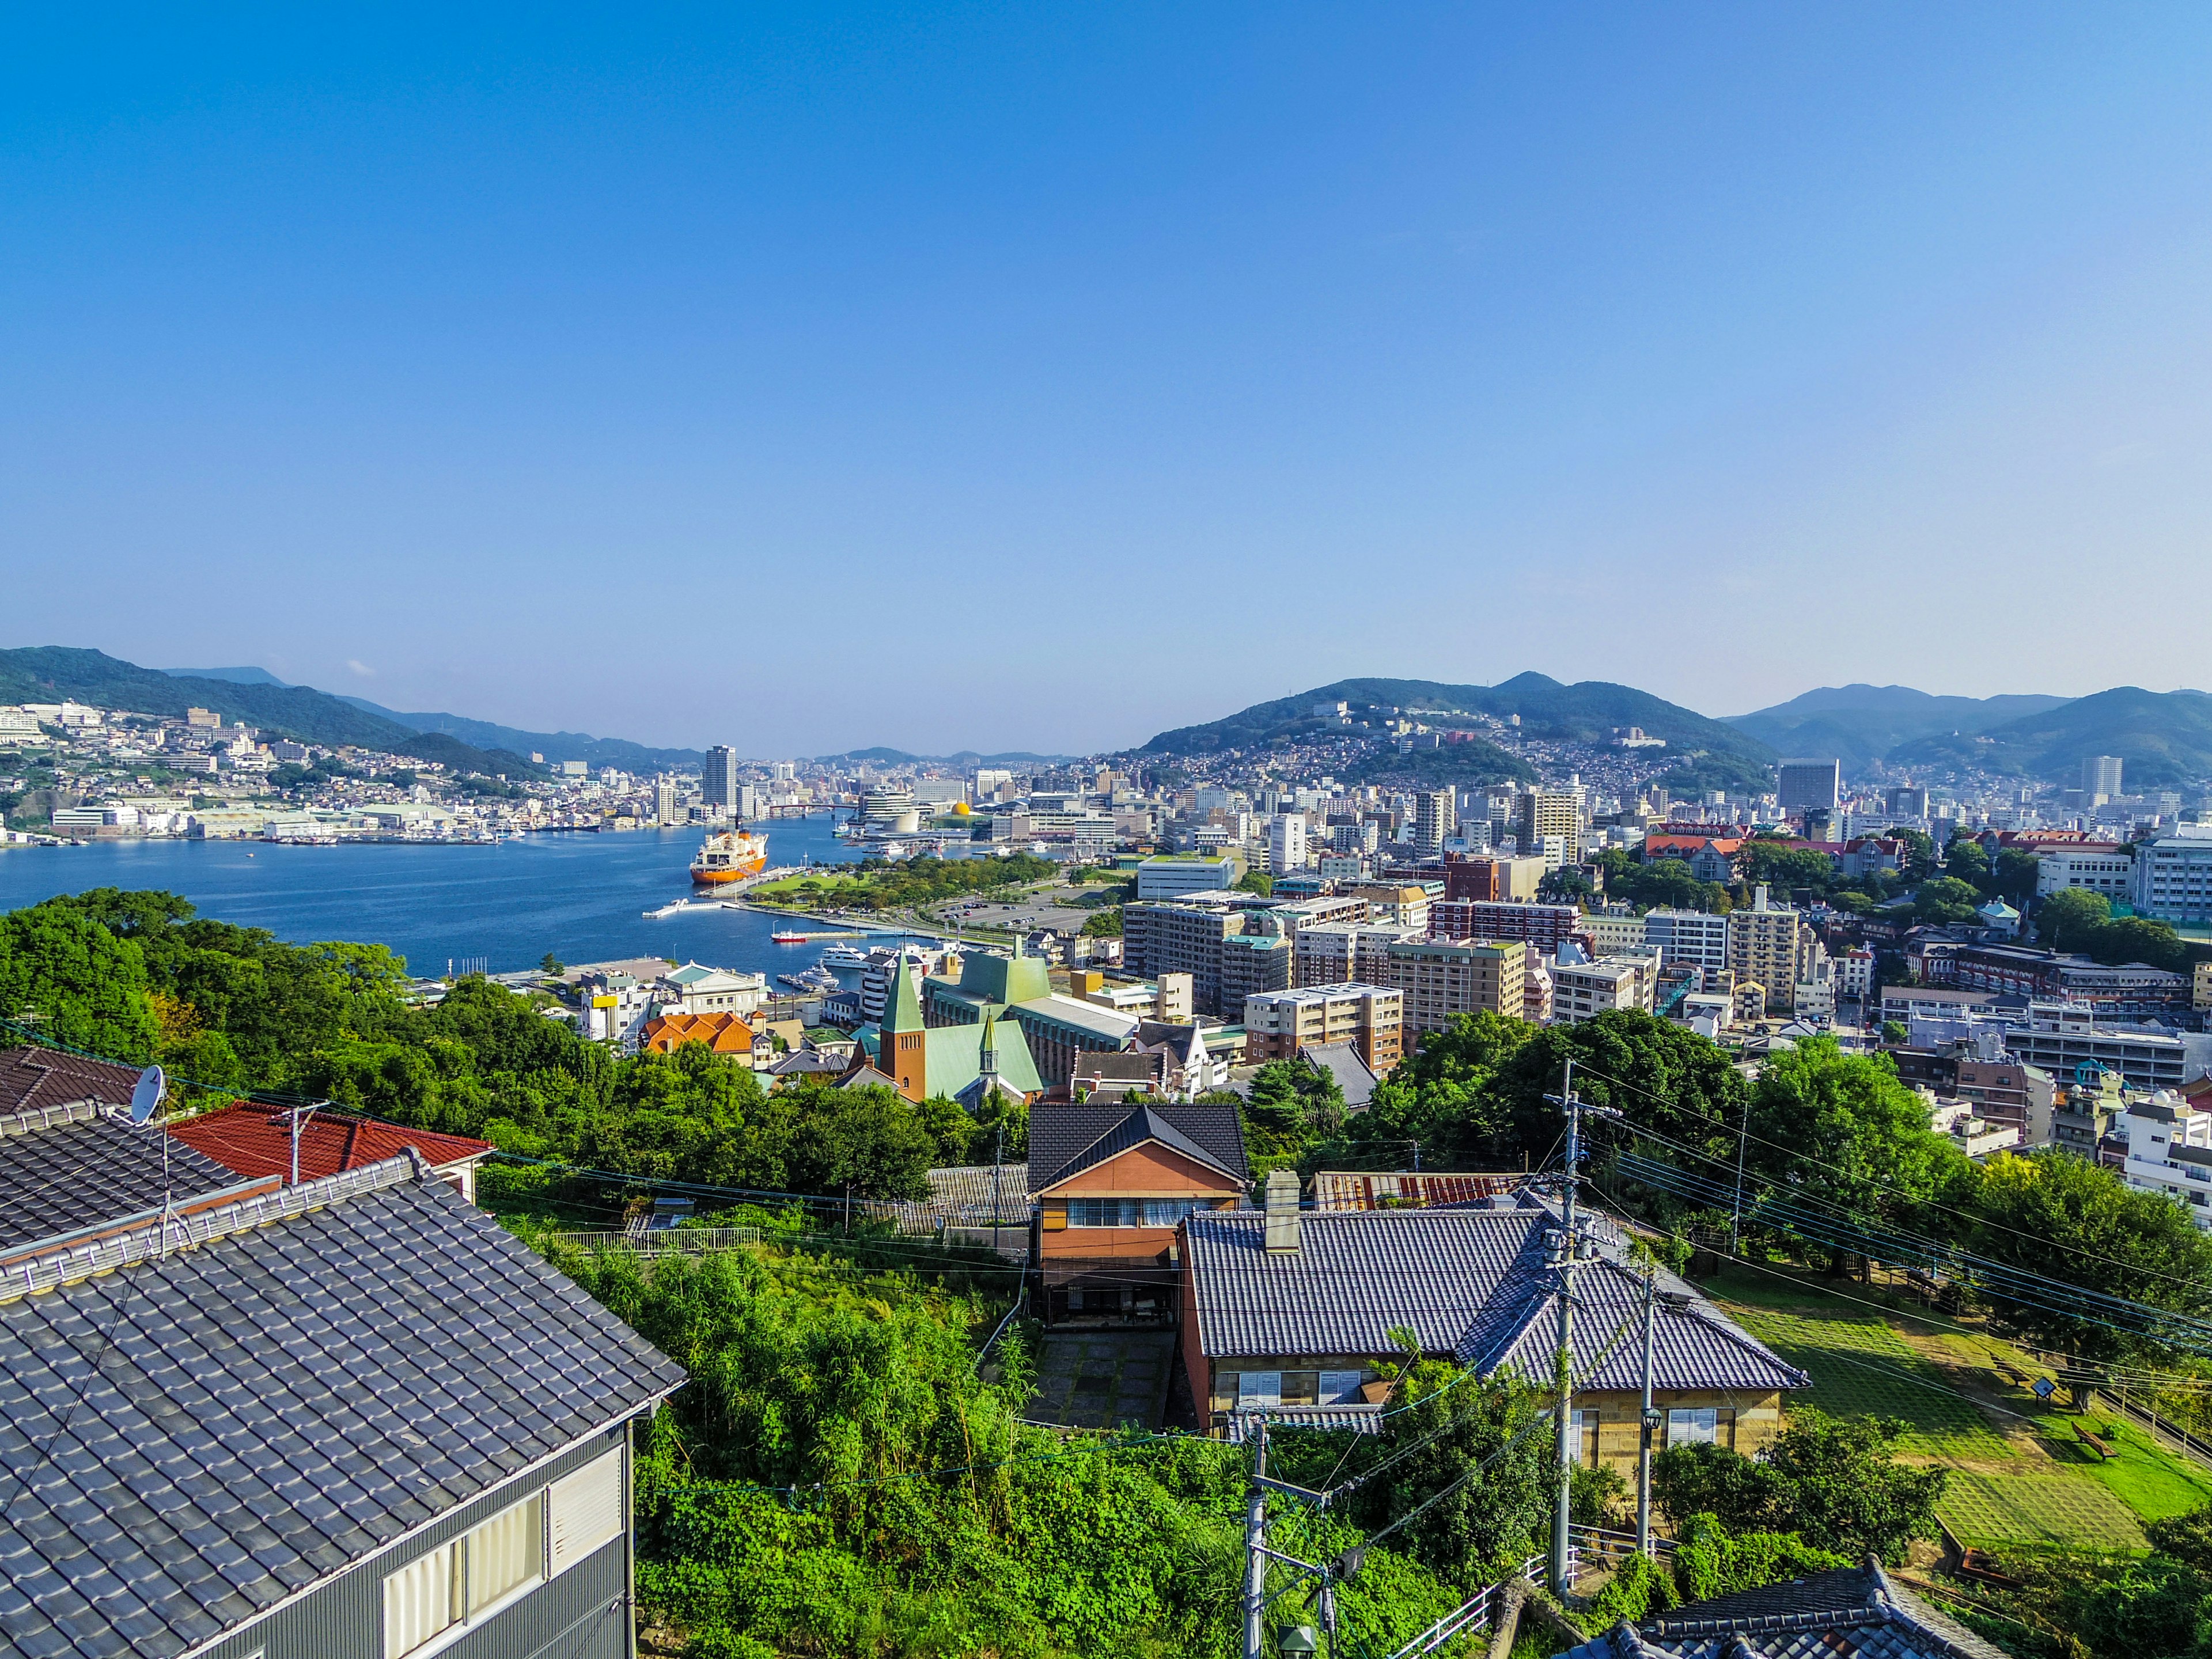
(1282, 1203)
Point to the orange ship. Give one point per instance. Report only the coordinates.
(730, 856)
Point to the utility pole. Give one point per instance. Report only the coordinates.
(1562, 1517)
(1256, 1541)
(1648, 1424)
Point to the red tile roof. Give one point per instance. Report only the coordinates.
(31, 1078)
(257, 1140)
(725, 1034)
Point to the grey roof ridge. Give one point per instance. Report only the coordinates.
(144, 1237)
(1153, 1127)
(32, 1118)
(387, 1546)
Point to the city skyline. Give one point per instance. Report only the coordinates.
(860, 378)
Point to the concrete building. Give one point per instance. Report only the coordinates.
(2173, 879)
(1764, 946)
(1442, 978)
(2169, 1152)
(1278, 1025)
(1436, 819)
(1610, 933)
(1398, 905)
(718, 780)
(1494, 880)
(1694, 938)
(1543, 812)
(2109, 869)
(1295, 914)
(1251, 963)
(1584, 990)
(2101, 775)
(1061, 1028)
(1546, 925)
(1803, 784)
(1287, 843)
(1172, 878)
(2061, 1038)
(1334, 953)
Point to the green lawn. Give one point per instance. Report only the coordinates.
(2149, 1479)
(1860, 1367)
(2039, 1511)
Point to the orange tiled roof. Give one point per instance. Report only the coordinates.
(725, 1034)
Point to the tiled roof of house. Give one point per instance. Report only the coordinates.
(67, 1167)
(724, 1033)
(1342, 1061)
(33, 1077)
(257, 1140)
(1065, 1140)
(193, 1437)
(1470, 1283)
(1853, 1612)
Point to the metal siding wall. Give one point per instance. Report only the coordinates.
(344, 1618)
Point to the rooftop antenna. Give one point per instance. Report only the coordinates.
(146, 1100)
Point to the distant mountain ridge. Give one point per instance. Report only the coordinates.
(1860, 724)
(50, 673)
(556, 746)
(1706, 753)
(2164, 738)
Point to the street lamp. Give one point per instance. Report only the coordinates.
(1299, 1639)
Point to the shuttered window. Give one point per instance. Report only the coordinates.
(585, 1511)
(505, 1554)
(1692, 1426)
(421, 1600)
(1340, 1388)
(1259, 1389)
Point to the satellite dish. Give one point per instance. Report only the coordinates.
(146, 1094)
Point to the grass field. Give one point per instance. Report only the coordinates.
(2036, 1511)
(1860, 1366)
(2020, 1479)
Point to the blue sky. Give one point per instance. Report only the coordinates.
(1041, 377)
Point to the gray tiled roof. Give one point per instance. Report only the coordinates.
(63, 1167)
(1470, 1283)
(186, 1441)
(1060, 1134)
(1342, 1061)
(1853, 1612)
(1138, 1124)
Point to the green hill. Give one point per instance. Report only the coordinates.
(2165, 738)
(1860, 724)
(54, 673)
(1706, 752)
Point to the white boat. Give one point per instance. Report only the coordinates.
(845, 958)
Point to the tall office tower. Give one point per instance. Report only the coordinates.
(1435, 819)
(1811, 783)
(2100, 774)
(1908, 800)
(719, 784)
(1287, 843)
(1550, 812)
(664, 800)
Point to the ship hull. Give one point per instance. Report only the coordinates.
(716, 877)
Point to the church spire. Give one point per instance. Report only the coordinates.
(987, 1058)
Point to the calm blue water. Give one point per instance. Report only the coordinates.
(581, 897)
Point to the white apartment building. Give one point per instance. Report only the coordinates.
(1854, 974)
(2109, 870)
(1764, 948)
(1584, 990)
(1287, 843)
(1175, 878)
(2172, 879)
(1609, 935)
(1693, 938)
(2170, 1152)
(1335, 953)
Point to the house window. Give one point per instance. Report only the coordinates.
(1129, 1212)
(463, 1580)
(1342, 1388)
(1256, 1388)
(584, 1512)
(1692, 1426)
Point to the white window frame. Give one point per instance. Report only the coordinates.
(1693, 1425)
(1256, 1389)
(456, 1549)
(1340, 1388)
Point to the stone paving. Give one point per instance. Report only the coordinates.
(1102, 1379)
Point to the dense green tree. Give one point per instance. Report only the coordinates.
(1946, 902)
(76, 983)
(1256, 881)
(1919, 851)
(2067, 920)
(1662, 1079)
(1444, 1095)
(1291, 1106)
(1965, 858)
(2014, 880)
(2057, 1216)
(1833, 1481)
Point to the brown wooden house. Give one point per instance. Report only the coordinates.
(1111, 1185)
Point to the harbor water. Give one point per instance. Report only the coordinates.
(582, 895)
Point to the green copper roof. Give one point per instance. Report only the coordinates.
(955, 1057)
(903, 1012)
(1004, 979)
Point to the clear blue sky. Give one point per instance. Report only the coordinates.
(1041, 377)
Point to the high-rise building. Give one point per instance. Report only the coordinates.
(1287, 843)
(1441, 978)
(1763, 947)
(1550, 812)
(1697, 938)
(1908, 800)
(1279, 1025)
(1804, 783)
(718, 779)
(2101, 775)
(664, 799)
(1436, 819)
